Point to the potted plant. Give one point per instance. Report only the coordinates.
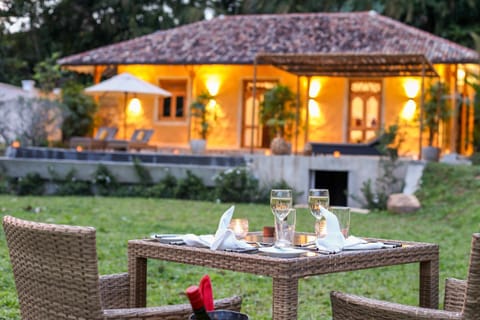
(436, 110)
(200, 111)
(276, 112)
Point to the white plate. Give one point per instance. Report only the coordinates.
(282, 253)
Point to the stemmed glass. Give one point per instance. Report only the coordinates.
(280, 203)
(318, 198)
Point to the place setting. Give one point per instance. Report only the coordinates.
(331, 226)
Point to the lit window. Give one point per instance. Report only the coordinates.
(173, 107)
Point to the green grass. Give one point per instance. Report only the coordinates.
(450, 214)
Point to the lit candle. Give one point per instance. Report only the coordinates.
(239, 227)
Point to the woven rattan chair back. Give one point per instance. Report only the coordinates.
(55, 270)
(471, 309)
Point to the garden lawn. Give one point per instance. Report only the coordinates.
(450, 214)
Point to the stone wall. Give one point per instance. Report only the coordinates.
(297, 171)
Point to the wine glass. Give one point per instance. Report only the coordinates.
(280, 203)
(318, 198)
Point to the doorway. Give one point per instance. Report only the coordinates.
(337, 184)
(253, 133)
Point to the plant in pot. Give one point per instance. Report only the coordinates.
(200, 111)
(277, 113)
(436, 110)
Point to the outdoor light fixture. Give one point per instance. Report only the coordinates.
(16, 144)
(135, 107)
(213, 85)
(314, 89)
(79, 148)
(412, 87)
(460, 77)
(313, 109)
(408, 111)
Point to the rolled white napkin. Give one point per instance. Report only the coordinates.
(334, 241)
(224, 237)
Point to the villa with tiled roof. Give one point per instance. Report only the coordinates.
(367, 71)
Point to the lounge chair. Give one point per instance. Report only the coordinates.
(56, 276)
(461, 300)
(98, 142)
(370, 148)
(138, 141)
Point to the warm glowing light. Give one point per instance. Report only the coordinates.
(412, 87)
(16, 144)
(268, 152)
(79, 148)
(460, 77)
(336, 154)
(408, 111)
(313, 109)
(239, 227)
(213, 85)
(176, 151)
(315, 87)
(211, 104)
(135, 107)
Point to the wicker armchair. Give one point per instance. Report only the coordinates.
(56, 276)
(462, 300)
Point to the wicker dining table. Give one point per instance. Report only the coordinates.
(285, 272)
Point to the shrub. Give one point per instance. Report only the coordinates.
(236, 185)
(104, 181)
(31, 184)
(191, 187)
(71, 186)
(165, 188)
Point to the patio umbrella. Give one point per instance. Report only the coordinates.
(126, 83)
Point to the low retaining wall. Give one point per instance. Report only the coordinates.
(297, 171)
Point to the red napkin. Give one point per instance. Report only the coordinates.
(207, 292)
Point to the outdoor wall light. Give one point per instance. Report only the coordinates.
(135, 107)
(409, 108)
(16, 144)
(412, 87)
(461, 77)
(79, 148)
(213, 85)
(314, 89)
(313, 109)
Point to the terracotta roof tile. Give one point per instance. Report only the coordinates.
(237, 40)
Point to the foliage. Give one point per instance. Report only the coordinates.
(48, 73)
(375, 194)
(236, 185)
(31, 184)
(165, 188)
(143, 174)
(69, 185)
(191, 187)
(200, 110)
(277, 109)
(450, 213)
(104, 181)
(436, 109)
(79, 111)
(474, 81)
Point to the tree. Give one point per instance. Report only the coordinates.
(79, 111)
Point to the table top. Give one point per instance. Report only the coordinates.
(312, 263)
